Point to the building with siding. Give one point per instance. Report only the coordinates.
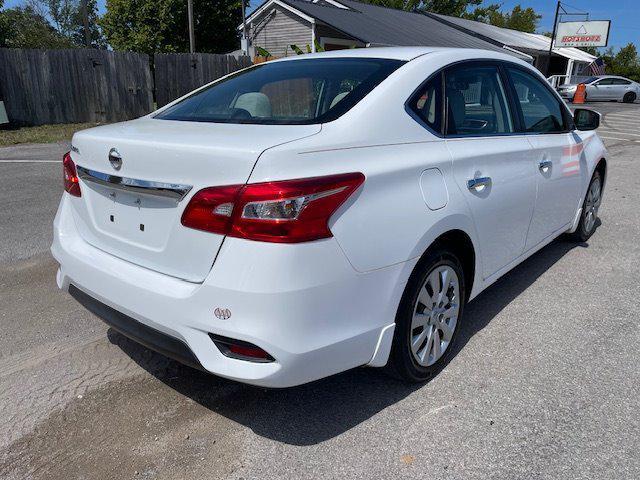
(563, 62)
(335, 24)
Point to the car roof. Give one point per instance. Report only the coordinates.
(401, 53)
(614, 76)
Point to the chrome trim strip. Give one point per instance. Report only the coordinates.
(174, 191)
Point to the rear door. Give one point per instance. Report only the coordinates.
(556, 154)
(491, 162)
(620, 87)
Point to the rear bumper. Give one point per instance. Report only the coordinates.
(304, 304)
(137, 331)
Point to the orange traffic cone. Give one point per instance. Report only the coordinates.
(581, 93)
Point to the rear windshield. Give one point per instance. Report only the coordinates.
(292, 92)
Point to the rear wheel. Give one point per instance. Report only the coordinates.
(590, 207)
(428, 317)
(629, 97)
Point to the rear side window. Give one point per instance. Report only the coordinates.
(476, 102)
(620, 81)
(291, 92)
(541, 110)
(427, 103)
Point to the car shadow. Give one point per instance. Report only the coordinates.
(318, 411)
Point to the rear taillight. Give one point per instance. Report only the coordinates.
(71, 182)
(289, 211)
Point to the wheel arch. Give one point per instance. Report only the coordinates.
(601, 167)
(452, 236)
(458, 241)
(460, 244)
(455, 240)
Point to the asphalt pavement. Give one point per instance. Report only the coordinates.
(545, 382)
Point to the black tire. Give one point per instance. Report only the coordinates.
(629, 97)
(586, 227)
(402, 364)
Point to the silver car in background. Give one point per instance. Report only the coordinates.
(605, 87)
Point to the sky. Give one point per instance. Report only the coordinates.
(625, 19)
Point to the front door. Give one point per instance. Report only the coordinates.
(555, 159)
(600, 89)
(491, 163)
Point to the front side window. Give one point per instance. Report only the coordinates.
(291, 92)
(476, 102)
(541, 110)
(604, 81)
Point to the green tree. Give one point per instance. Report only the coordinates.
(627, 57)
(624, 63)
(23, 27)
(589, 50)
(96, 36)
(522, 19)
(152, 26)
(67, 17)
(454, 8)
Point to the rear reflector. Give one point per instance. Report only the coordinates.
(289, 211)
(240, 349)
(70, 176)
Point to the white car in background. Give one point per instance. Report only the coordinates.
(604, 88)
(310, 215)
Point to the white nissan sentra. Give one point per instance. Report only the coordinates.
(310, 215)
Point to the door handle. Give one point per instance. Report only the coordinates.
(479, 183)
(545, 165)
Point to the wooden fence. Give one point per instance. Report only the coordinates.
(179, 73)
(84, 85)
(68, 86)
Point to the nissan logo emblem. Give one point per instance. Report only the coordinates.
(222, 313)
(115, 159)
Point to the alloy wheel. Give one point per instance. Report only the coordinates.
(592, 204)
(435, 315)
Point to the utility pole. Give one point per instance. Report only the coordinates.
(244, 43)
(192, 37)
(85, 21)
(553, 37)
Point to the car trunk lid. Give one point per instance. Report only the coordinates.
(134, 212)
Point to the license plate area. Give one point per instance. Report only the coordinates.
(132, 218)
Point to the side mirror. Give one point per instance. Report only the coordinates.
(586, 119)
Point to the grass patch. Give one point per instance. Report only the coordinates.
(42, 134)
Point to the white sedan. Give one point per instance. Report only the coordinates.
(605, 88)
(310, 215)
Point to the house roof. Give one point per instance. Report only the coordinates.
(380, 26)
(529, 42)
